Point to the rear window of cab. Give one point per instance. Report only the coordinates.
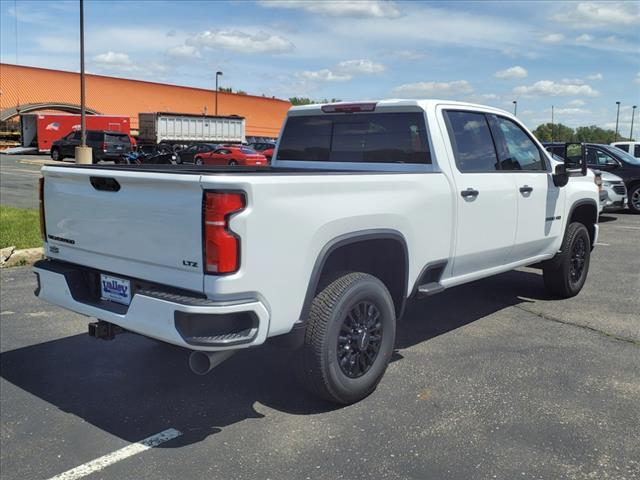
(357, 137)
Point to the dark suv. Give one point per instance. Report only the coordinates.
(105, 145)
(614, 160)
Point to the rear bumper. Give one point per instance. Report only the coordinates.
(187, 321)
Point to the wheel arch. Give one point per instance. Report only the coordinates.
(334, 258)
(585, 211)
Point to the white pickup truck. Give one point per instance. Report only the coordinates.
(365, 205)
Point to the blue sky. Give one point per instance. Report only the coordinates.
(581, 57)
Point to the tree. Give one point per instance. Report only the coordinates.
(549, 132)
(307, 101)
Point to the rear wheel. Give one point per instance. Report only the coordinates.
(56, 155)
(349, 339)
(634, 198)
(565, 274)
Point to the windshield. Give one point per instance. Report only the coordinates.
(624, 156)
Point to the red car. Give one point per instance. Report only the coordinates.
(231, 155)
(265, 148)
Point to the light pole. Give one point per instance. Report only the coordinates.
(552, 126)
(617, 117)
(633, 114)
(515, 107)
(82, 153)
(218, 74)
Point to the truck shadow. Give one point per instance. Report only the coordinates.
(134, 387)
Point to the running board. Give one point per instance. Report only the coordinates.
(430, 288)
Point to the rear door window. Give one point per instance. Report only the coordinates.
(356, 137)
(471, 141)
(636, 151)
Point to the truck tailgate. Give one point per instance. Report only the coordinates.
(136, 224)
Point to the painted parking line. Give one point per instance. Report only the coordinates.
(114, 457)
(629, 228)
(603, 244)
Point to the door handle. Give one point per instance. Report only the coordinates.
(469, 192)
(526, 189)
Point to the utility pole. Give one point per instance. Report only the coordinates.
(617, 118)
(633, 114)
(515, 107)
(83, 153)
(218, 74)
(552, 125)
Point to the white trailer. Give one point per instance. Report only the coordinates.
(164, 127)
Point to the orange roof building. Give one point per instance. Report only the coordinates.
(20, 86)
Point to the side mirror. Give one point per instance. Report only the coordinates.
(575, 159)
(560, 176)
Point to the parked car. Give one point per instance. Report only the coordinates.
(614, 160)
(151, 154)
(616, 191)
(632, 148)
(188, 154)
(105, 145)
(231, 155)
(265, 148)
(324, 246)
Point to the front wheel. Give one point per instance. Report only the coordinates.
(634, 199)
(349, 339)
(198, 161)
(55, 154)
(232, 163)
(565, 274)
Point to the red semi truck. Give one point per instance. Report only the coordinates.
(42, 129)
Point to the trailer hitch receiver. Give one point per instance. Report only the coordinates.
(104, 330)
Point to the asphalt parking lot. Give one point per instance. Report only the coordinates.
(490, 380)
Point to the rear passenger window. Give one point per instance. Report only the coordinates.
(516, 150)
(471, 141)
(357, 137)
(636, 151)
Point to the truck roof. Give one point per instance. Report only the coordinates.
(393, 103)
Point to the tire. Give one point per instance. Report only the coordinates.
(232, 163)
(335, 340)
(56, 155)
(197, 161)
(634, 199)
(565, 274)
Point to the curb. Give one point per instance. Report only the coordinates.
(11, 257)
(36, 161)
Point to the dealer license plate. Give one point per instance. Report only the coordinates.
(115, 289)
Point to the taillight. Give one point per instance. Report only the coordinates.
(104, 146)
(221, 245)
(43, 230)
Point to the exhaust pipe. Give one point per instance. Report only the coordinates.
(202, 363)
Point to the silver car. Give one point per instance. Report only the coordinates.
(616, 191)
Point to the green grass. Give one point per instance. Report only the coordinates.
(19, 227)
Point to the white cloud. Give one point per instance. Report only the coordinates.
(599, 14)
(339, 8)
(576, 103)
(343, 71)
(564, 87)
(324, 75)
(241, 42)
(362, 66)
(571, 111)
(184, 51)
(489, 96)
(429, 89)
(113, 58)
(552, 38)
(637, 79)
(407, 54)
(595, 76)
(585, 37)
(512, 72)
